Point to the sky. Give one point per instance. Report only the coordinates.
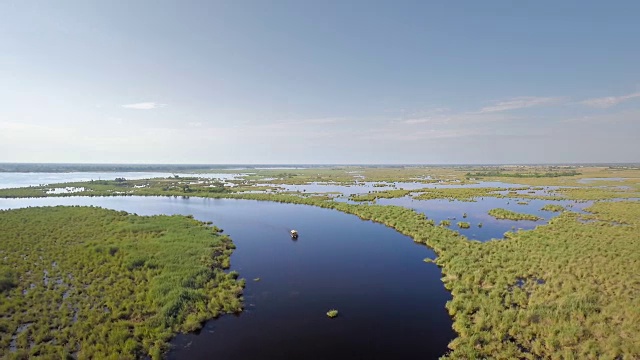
(319, 82)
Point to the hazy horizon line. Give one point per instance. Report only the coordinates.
(318, 164)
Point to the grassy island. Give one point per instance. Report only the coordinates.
(332, 313)
(512, 215)
(372, 196)
(94, 283)
(553, 207)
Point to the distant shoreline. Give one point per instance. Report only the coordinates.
(85, 167)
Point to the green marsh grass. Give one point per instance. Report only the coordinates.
(567, 289)
(553, 207)
(500, 213)
(119, 285)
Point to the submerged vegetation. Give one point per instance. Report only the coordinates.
(512, 215)
(112, 285)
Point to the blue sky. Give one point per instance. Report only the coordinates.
(320, 81)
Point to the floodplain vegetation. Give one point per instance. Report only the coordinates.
(560, 175)
(460, 194)
(505, 214)
(568, 289)
(553, 208)
(372, 196)
(88, 283)
(564, 175)
(570, 175)
(497, 173)
(626, 184)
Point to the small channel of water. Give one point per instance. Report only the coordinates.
(477, 213)
(363, 187)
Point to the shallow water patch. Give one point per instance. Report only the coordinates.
(484, 227)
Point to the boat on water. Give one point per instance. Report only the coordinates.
(294, 234)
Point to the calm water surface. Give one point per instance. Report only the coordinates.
(391, 303)
(363, 187)
(16, 179)
(478, 213)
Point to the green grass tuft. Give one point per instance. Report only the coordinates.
(119, 286)
(512, 215)
(332, 313)
(553, 207)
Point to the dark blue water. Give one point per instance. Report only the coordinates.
(391, 303)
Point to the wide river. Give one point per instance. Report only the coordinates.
(391, 303)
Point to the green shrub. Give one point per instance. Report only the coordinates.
(332, 313)
(512, 215)
(553, 207)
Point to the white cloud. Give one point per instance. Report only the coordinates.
(418, 121)
(630, 116)
(521, 103)
(467, 118)
(395, 134)
(432, 120)
(609, 101)
(322, 121)
(144, 106)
